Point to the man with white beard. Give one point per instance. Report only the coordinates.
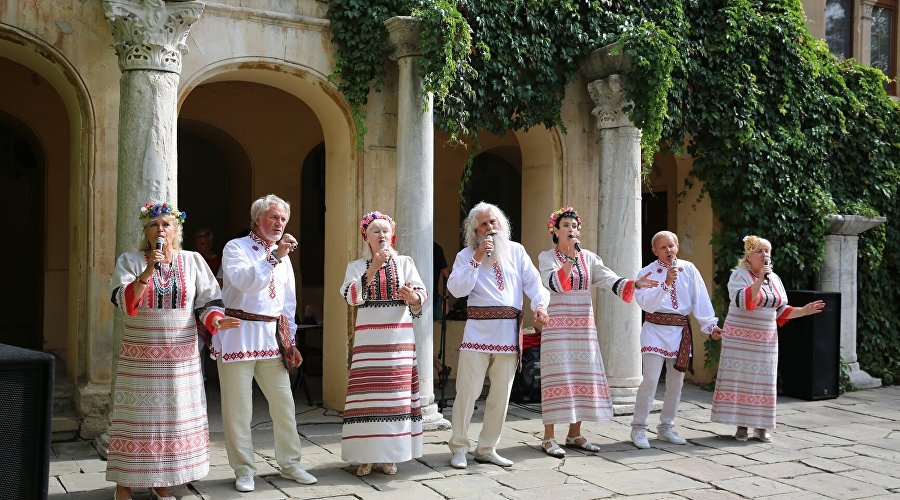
(494, 272)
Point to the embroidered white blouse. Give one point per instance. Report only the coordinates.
(496, 285)
(688, 295)
(254, 282)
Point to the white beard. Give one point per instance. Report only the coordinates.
(500, 253)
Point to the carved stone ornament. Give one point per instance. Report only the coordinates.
(151, 34)
(610, 97)
(404, 36)
(867, 6)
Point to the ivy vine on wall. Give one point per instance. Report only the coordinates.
(781, 132)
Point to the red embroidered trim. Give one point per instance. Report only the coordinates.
(668, 354)
(673, 294)
(265, 353)
(499, 274)
(488, 347)
(209, 320)
(748, 299)
(628, 291)
(565, 283)
(783, 318)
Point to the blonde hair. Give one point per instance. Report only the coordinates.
(176, 241)
(751, 243)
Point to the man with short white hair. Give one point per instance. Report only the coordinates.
(259, 289)
(666, 334)
(494, 272)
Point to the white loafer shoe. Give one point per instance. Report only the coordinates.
(671, 436)
(300, 475)
(493, 458)
(458, 460)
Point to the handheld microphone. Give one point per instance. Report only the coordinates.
(384, 244)
(160, 243)
(489, 237)
(767, 262)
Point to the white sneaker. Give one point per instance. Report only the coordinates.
(639, 438)
(670, 435)
(300, 475)
(458, 460)
(244, 483)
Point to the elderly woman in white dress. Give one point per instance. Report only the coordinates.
(159, 435)
(382, 413)
(746, 384)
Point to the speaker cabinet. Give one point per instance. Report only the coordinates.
(809, 348)
(26, 407)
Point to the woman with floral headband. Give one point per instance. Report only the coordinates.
(159, 437)
(573, 381)
(382, 415)
(745, 386)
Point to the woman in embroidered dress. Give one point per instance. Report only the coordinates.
(158, 435)
(382, 416)
(573, 381)
(745, 385)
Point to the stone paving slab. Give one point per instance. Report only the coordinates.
(701, 469)
(835, 486)
(827, 465)
(709, 494)
(642, 482)
(755, 487)
(565, 491)
(466, 486)
(873, 478)
(779, 470)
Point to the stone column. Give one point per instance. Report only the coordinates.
(415, 192)
(838, 274)
(619, 226)
(149, 38)
(865, 32)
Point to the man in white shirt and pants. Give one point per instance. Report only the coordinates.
(494, 272)
(259, 288)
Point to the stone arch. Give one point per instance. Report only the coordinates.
(34, 53)
(342, 196)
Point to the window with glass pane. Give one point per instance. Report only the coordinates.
(882, 38)
(839, 27)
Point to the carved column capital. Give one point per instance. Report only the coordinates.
(867, 6)
(404, 36)
(151, 34)
(610, 96)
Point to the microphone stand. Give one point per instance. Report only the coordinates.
(444, 374)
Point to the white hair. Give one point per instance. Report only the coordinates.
(663, 234)
(501, 238)
(470, 227)
(263, 203)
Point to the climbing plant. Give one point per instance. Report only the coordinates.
(781, 132)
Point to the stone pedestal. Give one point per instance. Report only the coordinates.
(415, 193)
(618, 216)
(838, 274)
(149, 37)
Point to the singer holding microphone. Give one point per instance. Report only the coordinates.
(382, 415)
(163, 291)
(745, 386)
(666, 336)
(573, 381)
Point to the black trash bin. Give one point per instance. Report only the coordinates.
(809, 348)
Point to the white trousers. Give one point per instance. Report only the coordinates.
(236, 385)
(652, 367)
(500, 369)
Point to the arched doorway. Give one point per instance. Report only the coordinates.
(496, 178)
(22, 186)
(280, 114)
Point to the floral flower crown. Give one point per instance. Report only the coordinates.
(154, 210)
(568, 212)
(372, 216)
(751, 241)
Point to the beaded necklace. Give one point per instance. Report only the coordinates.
(164, 284)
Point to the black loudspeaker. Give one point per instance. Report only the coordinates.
(26, 408)
(526, 387)
(809, 348)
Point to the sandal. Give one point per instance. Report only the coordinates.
(741, 434)
(364, 470)
(389, 469)
(552, 448)
(572, 442)
(763, 435)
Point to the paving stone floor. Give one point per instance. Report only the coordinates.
(841, 448)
